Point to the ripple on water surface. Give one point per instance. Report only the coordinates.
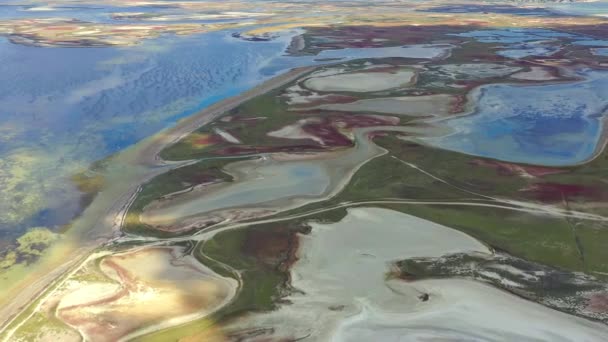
(64, 108)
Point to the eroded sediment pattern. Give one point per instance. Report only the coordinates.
(131, 293)
(427, 183)
(343, 275)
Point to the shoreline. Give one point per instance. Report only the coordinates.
(101, 221)
(128, 170)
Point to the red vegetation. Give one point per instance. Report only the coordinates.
(554, 192)
(329, 130)
(373, 37)
(206, 140)
(329, 134)
(598, 303)
(510, 169)
(458, 105)
(274, 247)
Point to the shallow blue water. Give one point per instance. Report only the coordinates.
(67, 92)
(63, 108)
(67, 107)
(592, 42)
(552, 125)
(600, 51)
(514, 35)
(71, 106)
(523, 42)
(526, 50)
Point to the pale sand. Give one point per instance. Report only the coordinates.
(361, 82)
(342, 263)
(268, 185)
(144, 278)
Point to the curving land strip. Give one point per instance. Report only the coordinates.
(100, 223)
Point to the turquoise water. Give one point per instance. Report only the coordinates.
(553, 125)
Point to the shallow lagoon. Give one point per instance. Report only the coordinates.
(551, 125)
(514, 35)
(98, 101)
(271, 183)
(259, 183)
(64, 108)
(425, 51)
(526, 50)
